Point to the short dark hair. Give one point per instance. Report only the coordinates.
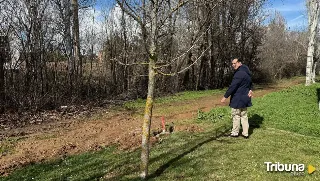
(238, 60)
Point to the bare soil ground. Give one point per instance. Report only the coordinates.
(56, 139)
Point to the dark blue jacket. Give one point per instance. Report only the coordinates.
(239, 88)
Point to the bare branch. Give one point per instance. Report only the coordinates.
(193, 44)
(194, 61)
(141, 63)
(125, 64)
(131, 12)
(179, 5)
(186, 68)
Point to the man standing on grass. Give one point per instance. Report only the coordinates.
(241, 93)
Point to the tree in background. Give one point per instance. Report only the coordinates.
(190, 45)
(291, 45)
(313, 19)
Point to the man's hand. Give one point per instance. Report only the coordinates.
(250, 94)
(223, 100)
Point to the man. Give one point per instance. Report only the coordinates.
(240, 91)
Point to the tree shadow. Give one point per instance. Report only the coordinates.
(218, 133)
(255, 121)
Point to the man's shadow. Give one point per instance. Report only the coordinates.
(255, 121)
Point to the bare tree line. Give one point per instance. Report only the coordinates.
(51, 63)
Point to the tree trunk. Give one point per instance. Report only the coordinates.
(125, 72)
(147, 121)
(66, 15)
(4, 46)
(151, 86)
(313, 23)
(313, 79)
(76, 38)
(2, 95)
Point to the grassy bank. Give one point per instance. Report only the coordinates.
(181, 96)
(284, 128)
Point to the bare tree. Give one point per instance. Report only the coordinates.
(313, 17)
(76, 37)
(150, 28)
(4, 56)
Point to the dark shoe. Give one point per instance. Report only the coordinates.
(231, 135)
(245, 137)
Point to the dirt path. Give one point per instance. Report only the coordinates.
(123, 128)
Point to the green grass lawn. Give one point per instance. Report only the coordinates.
(284, 127)
(181, 96)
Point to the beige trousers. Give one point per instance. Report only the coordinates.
(237, 115)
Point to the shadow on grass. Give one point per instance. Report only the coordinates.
(218, 133)
(104, 164)
(255, 121)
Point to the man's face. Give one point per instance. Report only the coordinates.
(235, 64)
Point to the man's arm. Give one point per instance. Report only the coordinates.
(233, 87)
